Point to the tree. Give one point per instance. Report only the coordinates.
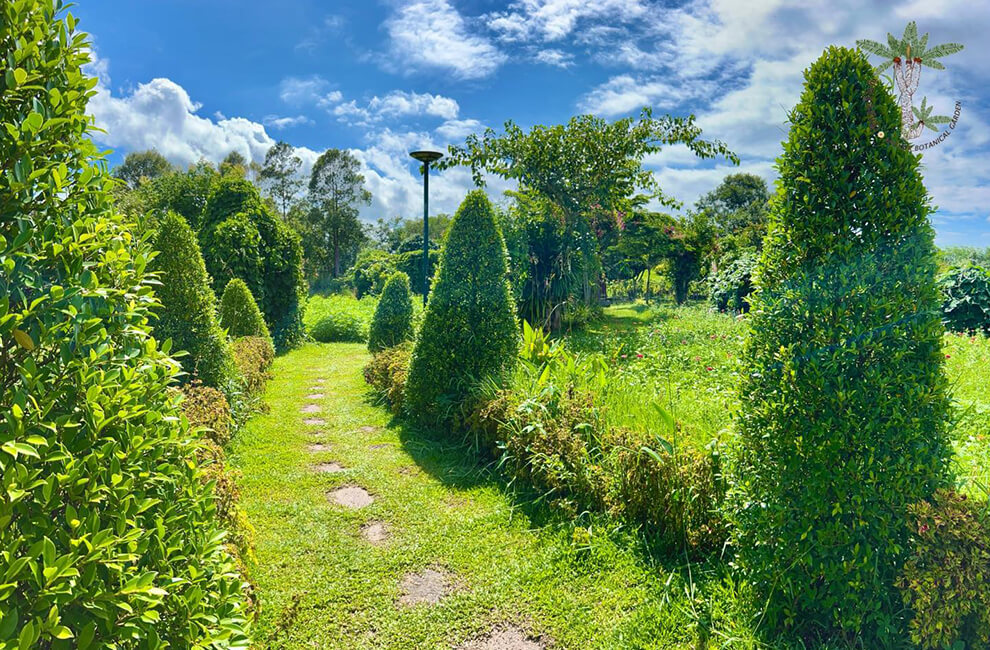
(647, 238)
(392, 323)
(139, 167)
(188, 312)
(737, 209)
(336, 188)
(469, 331)
(589, 172)
(280, 173)
(235, 165)
(843, 419)
(108, 533)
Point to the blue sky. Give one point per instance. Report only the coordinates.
(197, 79)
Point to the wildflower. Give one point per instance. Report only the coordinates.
(639, 356)
(708, 368)
(948, 356)
(623, 356)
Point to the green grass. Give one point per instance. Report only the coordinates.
(321, 585)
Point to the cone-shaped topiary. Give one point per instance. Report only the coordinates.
(469, 331)
(843, 419)
(392, 323)
(239, 313)
(188, 306)
(108, 535)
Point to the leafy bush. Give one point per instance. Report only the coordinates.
(966, 299)
(411, 263)
(239, 313)
(187, 314)
(339, 318)
(253, 356)
(729, 289)
(469, 330)
(207, 408)
(386, 374)
(371, 270)
(108, 537)
(844, 407)
(242, 238)
(392, 323)
(944, 581)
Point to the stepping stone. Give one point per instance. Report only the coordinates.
(505, 638)
(367, 429)
(351, 496)
(314, 422)
(382, 445)
(429, 586)
(329, 468)
(315, 396)
(310, 408)
(317, 447)
(409, 470)
(374, 532)
(319, 380)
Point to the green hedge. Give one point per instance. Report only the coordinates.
(393, 320)
(239, 313)
(469, 330)
(187, 314)
(966, 299)
(844, 408)
(108, 535)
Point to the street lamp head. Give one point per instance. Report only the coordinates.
(426, 156)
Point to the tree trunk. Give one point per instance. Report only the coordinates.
(336, 258)
(648, 273)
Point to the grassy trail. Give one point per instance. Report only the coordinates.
(322, 584)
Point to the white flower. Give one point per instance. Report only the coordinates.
(880, 134)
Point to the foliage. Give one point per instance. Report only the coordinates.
(645, 240)
(369, 273)
(950, 256)
(253, 356)
(139, 167)
(272, 270)
(107, 536)
(207, 409)
(843, 396)
(339, 318)
(182, 192)
(239, 313)
(944, 582)
(737, 209)
(730, 287)
(469, 330)
(336, 188)
(187, 314)
(393, 320)
(280, 174)
(966, 299)
(411, 263)
(387, 371)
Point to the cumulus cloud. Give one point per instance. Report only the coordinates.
(432, 35)
(459, 129)
(277, 122)
(299, 91)
(556, 58)
(396, 104)
(554, 20)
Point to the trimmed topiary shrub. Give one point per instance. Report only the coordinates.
(844, 407)
(944, 582)
(108, 536)
(242, 238)
(966, 299)
(253, 356)
(187, 314)
(469, 330)
(239, 313)
(393, 320)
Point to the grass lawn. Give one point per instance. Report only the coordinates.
(322, 585)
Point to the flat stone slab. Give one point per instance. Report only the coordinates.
(317, 447)
(314, 422)
(315, 396)
(319, 380)
(381, 445)
(351, 496)
(311, 408)
(369, 429)
(428, 586)
(374, 532)
(330, 468)
(504, 638)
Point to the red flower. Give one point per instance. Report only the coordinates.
(708, 368)
(948, 356)
(639, 356)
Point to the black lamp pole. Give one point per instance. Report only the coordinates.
(426, 157)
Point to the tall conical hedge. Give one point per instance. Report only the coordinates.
(843, 420)
(239, 313)
(392, 323)
(469, 330)
(188, 312)
(108, 535)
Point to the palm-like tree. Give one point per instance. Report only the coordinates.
(925, 117)
(909, 48)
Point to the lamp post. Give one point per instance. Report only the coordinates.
(426, 157)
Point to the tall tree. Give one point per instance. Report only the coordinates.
(280, 175)
(738, 208)
(336, 188)
(142, 166)
(235, 165)
(647, 239)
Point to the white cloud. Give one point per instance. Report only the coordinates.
(554, 20)
(432, 34)
(557, 58)
(627, 94)
(396, 104)
(277, 122)
(458, 129)
(299, 91)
